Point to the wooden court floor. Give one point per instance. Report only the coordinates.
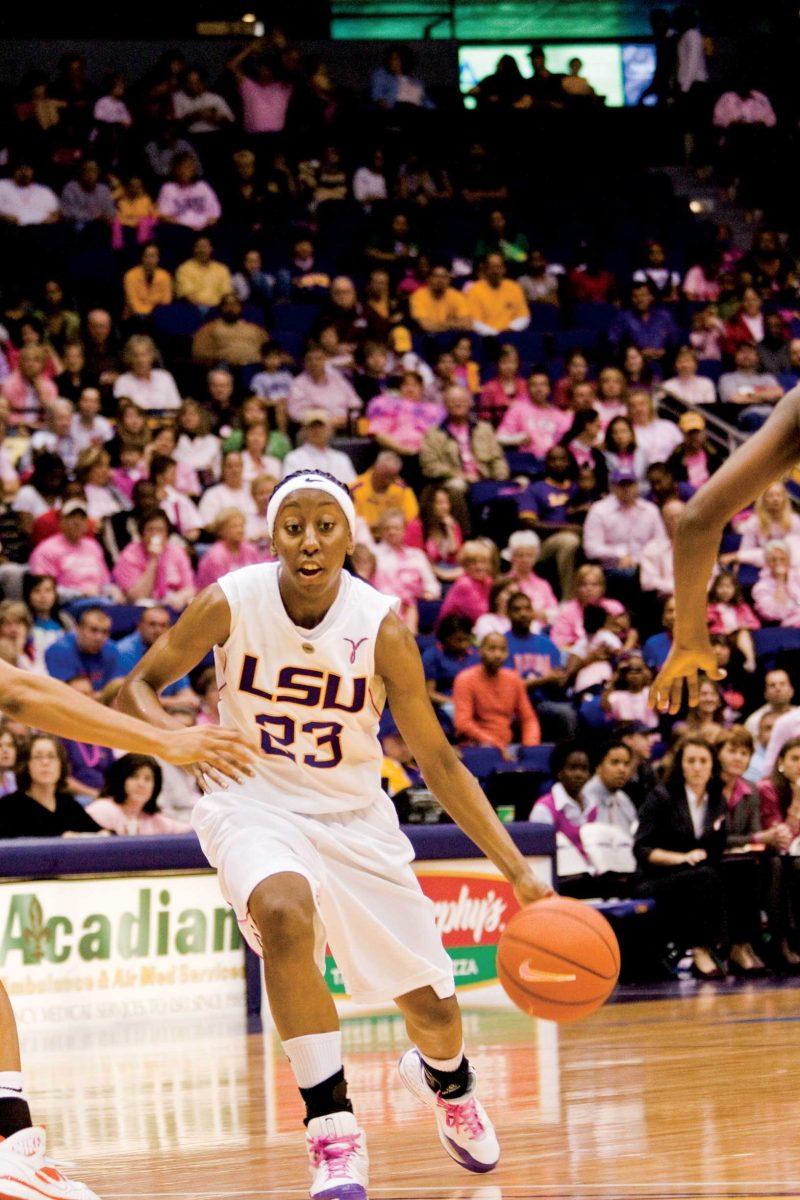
(673, 1098)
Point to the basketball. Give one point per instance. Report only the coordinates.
(558, 959)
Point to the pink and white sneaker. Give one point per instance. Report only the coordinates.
(464, 1129)
(26, 1174)
(337, 1154)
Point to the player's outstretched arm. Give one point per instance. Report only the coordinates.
(397, 660)
(204, 624)
(50, 705)
(764, 458)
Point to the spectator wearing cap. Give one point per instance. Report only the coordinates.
(461, 450)
(651, 329)
(74, 557)
(229, 338)
(229, 551)
(315, 452)
(491, 700)
(87, 651)
(381, 490)
(320, 386)
(748, 385)
(496, 304)
(619, 526)
(522, 552)
(155, 568)
(438, 307)
(202, 280)
(696, 459)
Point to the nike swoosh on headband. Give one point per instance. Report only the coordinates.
(531, 975)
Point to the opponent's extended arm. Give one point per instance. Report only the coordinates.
(764, 458)
(52, 706)
(397, 660)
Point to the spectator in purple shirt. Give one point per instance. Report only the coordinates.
(652, 330)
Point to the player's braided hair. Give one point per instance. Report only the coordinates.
(314, 471)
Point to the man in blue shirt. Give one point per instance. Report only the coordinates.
(652, 330)
(86, 652)
(131, 649)
(537, 660)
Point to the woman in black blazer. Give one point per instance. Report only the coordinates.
(679, 846)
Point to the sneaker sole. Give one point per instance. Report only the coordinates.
(457, 1153)
(348, 1191)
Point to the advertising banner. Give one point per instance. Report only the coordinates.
(95, 949)
(473, 904)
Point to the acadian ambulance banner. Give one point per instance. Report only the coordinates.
(473, 904)
(95, 949)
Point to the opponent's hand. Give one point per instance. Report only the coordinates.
(221, 755)
(528, 889)
(682, 664)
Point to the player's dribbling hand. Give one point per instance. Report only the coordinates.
(528, 889)
(666, 692)
(221, 755)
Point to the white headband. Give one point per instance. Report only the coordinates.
(320, 484)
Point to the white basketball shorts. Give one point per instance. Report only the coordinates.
(370, 907)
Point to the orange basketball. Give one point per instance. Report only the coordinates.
(558, 959)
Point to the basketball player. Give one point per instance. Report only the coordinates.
(51, 706)
(765, 457)
(310, 847)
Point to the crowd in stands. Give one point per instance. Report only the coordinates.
(207, 285)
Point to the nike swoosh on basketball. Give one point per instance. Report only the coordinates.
(532, 975)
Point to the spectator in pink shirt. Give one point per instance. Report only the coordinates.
(74, 558)
(508, 387)
(469, 595)
(523, 552)
(129, 803)
(230, 551)
(28, 390)
(265, 99)
(438, 530)
(321, 386)
(589, 589)
(576, 368)
(531, 423)
(402, 570)
(399, 421)
(776, 594)
(155, 568)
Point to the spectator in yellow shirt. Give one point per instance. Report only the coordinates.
(148, 285)
(201, 279)
(497, 304)
(381, 488)
(437, 307)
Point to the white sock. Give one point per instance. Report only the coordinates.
(444, 1064)
(314, 1057)
(12, 1086)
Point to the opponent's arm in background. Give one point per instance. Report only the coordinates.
(763, 458)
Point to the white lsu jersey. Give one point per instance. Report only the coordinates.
(310, 695)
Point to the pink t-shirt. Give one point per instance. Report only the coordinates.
(468, 597)
(544, 425)
(264, 105)
(539, 593)
(696, 468)
(219, 559)
(632, 706)
(173, 573)
(406, 573)
(404, 421)
(109, 815)
(80, 566)
(568, 628)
